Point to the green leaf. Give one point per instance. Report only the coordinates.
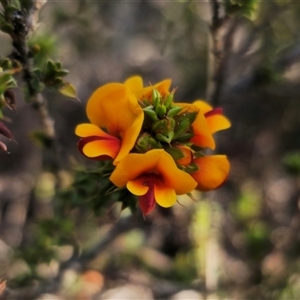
(69, 90)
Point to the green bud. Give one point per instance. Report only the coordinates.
(174, 111)
(145, 143)
(156, 98)
(51, 67)
(191, 116)
(164, 130)
(182, 126)
(165, 138)
(161, 110)
(62, 73)
(169, 100)
(175, 152)
(150, 113)
(58, 65)
(186, 137)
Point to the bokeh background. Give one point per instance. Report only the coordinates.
(239, 242)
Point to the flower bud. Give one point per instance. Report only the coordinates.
(184, 123)
(156, 98)
(185, 138)
(161, 110)
(175, 152)
(181, 128)
(168, 100)
(174, 111)
(165, 138)
(145, 143)
(150, 113)
(187, 156)
(164, 130)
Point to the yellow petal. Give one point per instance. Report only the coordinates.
(134, 165)
(146, 93)
(188, 156)
(203, 106)
(87, 129)
(137, 187)
(96, 109)
(217, 122)
(164, 196)
(213, 170)
(134, 83)
(173, 177)
(102, 147)
(157, 162)
(113, 106)
(131, 127)
(203, 137)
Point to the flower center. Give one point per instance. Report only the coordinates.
(147, 202)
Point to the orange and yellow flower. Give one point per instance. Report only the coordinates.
(208, 121)
(212, 170)
(116, 109)
(153, 177)
(156, 145)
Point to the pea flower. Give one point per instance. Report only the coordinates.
(158, 146)
(116, 109)
(153, 177)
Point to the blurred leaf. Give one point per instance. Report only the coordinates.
(247, 207)
(291, 162)
(69, 90)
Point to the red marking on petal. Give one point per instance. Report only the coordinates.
(83, 141)
(216, 111)
(147, 202)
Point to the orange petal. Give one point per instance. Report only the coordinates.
(159, 163)
(134, 165)
(173, 177)
(162, 87)
(109, 147)
(113, 106)
(203, 137)
(87, 129)
(134, 83)
(203, 106)
(96, 106)
(217, 122)
(137, 187)
(188, 156)
(164, 196)
(213, 170)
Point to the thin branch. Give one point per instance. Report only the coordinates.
(22, 22)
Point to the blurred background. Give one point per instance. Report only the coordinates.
(239, 242)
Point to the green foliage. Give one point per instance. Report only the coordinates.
(248, 206)
(246, 8)
(291, 162)
(42, 46)
(93, 191)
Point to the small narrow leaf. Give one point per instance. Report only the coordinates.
(69, 90)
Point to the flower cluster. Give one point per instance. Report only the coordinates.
(156, 145)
